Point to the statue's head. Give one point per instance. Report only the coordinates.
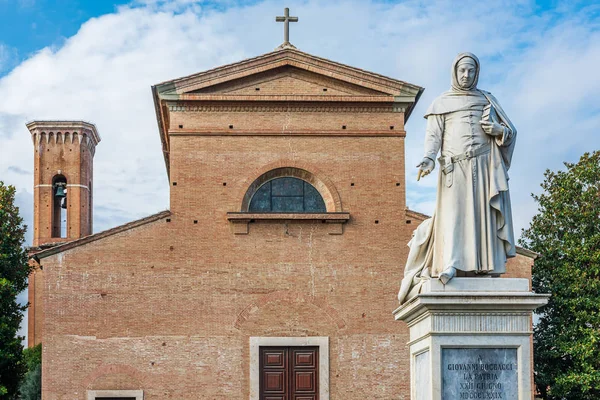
(465, 72)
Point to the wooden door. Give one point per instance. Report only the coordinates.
(289, 373)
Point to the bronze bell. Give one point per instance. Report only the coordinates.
(60, 191)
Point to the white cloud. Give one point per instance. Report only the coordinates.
(541, 67)
(7, 57)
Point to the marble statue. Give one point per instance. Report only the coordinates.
(471, 230)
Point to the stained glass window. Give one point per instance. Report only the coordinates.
(287, 195)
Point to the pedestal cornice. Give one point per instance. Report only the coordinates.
(493, 295)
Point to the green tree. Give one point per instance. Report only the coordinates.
(566, 232)
(31, 386)
(13, 280)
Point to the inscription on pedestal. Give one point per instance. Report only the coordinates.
(479, 374)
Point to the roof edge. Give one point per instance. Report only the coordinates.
(412, 106)
(43, 253)
(173, 82)
(161, 129)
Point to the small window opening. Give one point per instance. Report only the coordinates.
(230, 126)
(392, 127)
(343, 126)
(59, 207)
(180, 126)
(257, 89)
(324, 89)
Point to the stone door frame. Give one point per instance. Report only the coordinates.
(94, 394)
(320, 341)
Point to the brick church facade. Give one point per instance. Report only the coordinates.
(275, 271)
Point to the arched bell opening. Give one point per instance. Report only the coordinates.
(59, 206)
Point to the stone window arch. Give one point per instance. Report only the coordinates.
(290, 189)
(319, 200)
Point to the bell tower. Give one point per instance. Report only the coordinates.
(62, 197)
(63, 177)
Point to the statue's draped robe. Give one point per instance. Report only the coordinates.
(471, 228)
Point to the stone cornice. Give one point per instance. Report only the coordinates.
(66, 129)
(427, 303)
(335, 220)
(295, 98)
(284, 107)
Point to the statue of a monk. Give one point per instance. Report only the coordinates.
(471, 230)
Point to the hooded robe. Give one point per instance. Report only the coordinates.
(471, 228)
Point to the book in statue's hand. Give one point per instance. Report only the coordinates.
(489, 113)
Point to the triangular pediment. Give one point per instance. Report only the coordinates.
(289, 80)
(303, 73)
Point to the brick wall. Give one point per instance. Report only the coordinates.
(174, 303)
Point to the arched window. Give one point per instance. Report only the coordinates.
(287, 195)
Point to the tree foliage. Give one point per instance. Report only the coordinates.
(31, 386)
(32, 356)
(566, 232)
(13, 280)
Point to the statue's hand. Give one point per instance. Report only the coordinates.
(492, 128)
(425, 167)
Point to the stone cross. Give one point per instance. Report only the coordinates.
(286, 19)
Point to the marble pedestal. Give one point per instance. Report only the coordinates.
(471, 339)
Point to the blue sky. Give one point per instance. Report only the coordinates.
(96, 60)
(30, 25)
